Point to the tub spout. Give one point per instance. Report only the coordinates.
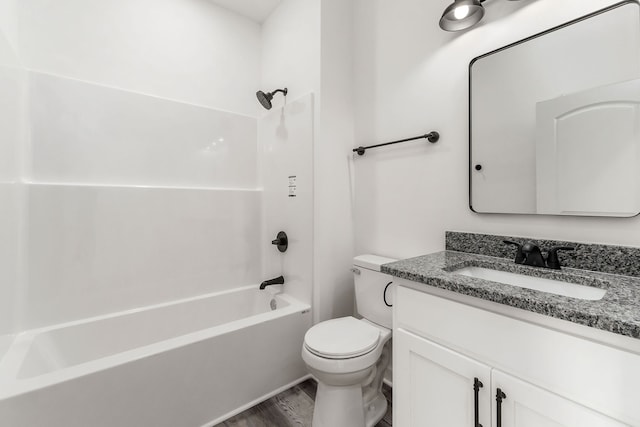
(277, 281)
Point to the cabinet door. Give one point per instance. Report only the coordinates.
(434, 386)
(526, 405)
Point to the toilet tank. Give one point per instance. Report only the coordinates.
(370, 286)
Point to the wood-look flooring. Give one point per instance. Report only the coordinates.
(291, 408)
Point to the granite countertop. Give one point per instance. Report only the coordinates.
(618, 311)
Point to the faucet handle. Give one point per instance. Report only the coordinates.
(520, 257)
(533, 255)
(552, 259)
(281, 241)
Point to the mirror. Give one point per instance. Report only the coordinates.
(555, 120)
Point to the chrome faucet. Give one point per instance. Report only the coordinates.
(530, 254)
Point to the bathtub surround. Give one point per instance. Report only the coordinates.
(12, 202)
(622, 260)
(85, 133)
(12, 111)
(13, 87)
(100, 249)
(121, 196)
(106, 115)
(286, 153)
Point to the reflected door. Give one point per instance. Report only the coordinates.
(588, 152)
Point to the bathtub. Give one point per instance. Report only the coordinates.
(188, 363)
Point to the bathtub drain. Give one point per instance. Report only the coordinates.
(273, 304)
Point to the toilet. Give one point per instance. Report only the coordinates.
(349, 356)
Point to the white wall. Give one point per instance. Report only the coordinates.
(411, 77)
(334, 293)
(188, 50)
(291, 50)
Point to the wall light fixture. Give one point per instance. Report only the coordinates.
(462, 14)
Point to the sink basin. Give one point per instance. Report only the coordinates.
(557, 287)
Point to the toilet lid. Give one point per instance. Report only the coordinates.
(342, 338)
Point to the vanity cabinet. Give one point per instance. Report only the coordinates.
(440, 387)
(442, 348)
(434, 386)
(526, 405)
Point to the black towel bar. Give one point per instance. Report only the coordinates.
(432, 136)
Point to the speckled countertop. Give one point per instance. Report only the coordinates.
(618, 311)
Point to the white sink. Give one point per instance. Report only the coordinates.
(557, 287)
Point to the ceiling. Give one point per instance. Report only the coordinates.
(256, 10)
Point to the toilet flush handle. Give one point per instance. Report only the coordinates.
(355, 271)
(384, 295)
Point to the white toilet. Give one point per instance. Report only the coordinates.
(349, 357)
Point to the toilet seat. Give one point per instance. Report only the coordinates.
(342, 338)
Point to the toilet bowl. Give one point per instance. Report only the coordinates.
(349, 356)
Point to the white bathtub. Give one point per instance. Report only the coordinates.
(189, 363)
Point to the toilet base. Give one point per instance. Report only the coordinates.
(359, 405)
(375, 410)
(338, 406)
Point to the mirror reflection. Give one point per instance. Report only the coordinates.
(555, 120)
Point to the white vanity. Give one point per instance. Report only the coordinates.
(454, 354)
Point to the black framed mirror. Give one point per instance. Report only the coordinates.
(555, 120)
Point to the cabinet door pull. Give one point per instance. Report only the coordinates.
(477, 385)
(499, 397)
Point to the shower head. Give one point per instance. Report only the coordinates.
(265, 98)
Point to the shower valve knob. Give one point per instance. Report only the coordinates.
(281, 241)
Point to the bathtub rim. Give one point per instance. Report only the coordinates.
(20, 343)
(5, 345)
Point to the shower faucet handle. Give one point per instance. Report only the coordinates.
(281, 241)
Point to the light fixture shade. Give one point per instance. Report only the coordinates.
(461, 14)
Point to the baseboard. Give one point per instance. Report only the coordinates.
(256, 401)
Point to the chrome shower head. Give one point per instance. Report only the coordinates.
(265, 98)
